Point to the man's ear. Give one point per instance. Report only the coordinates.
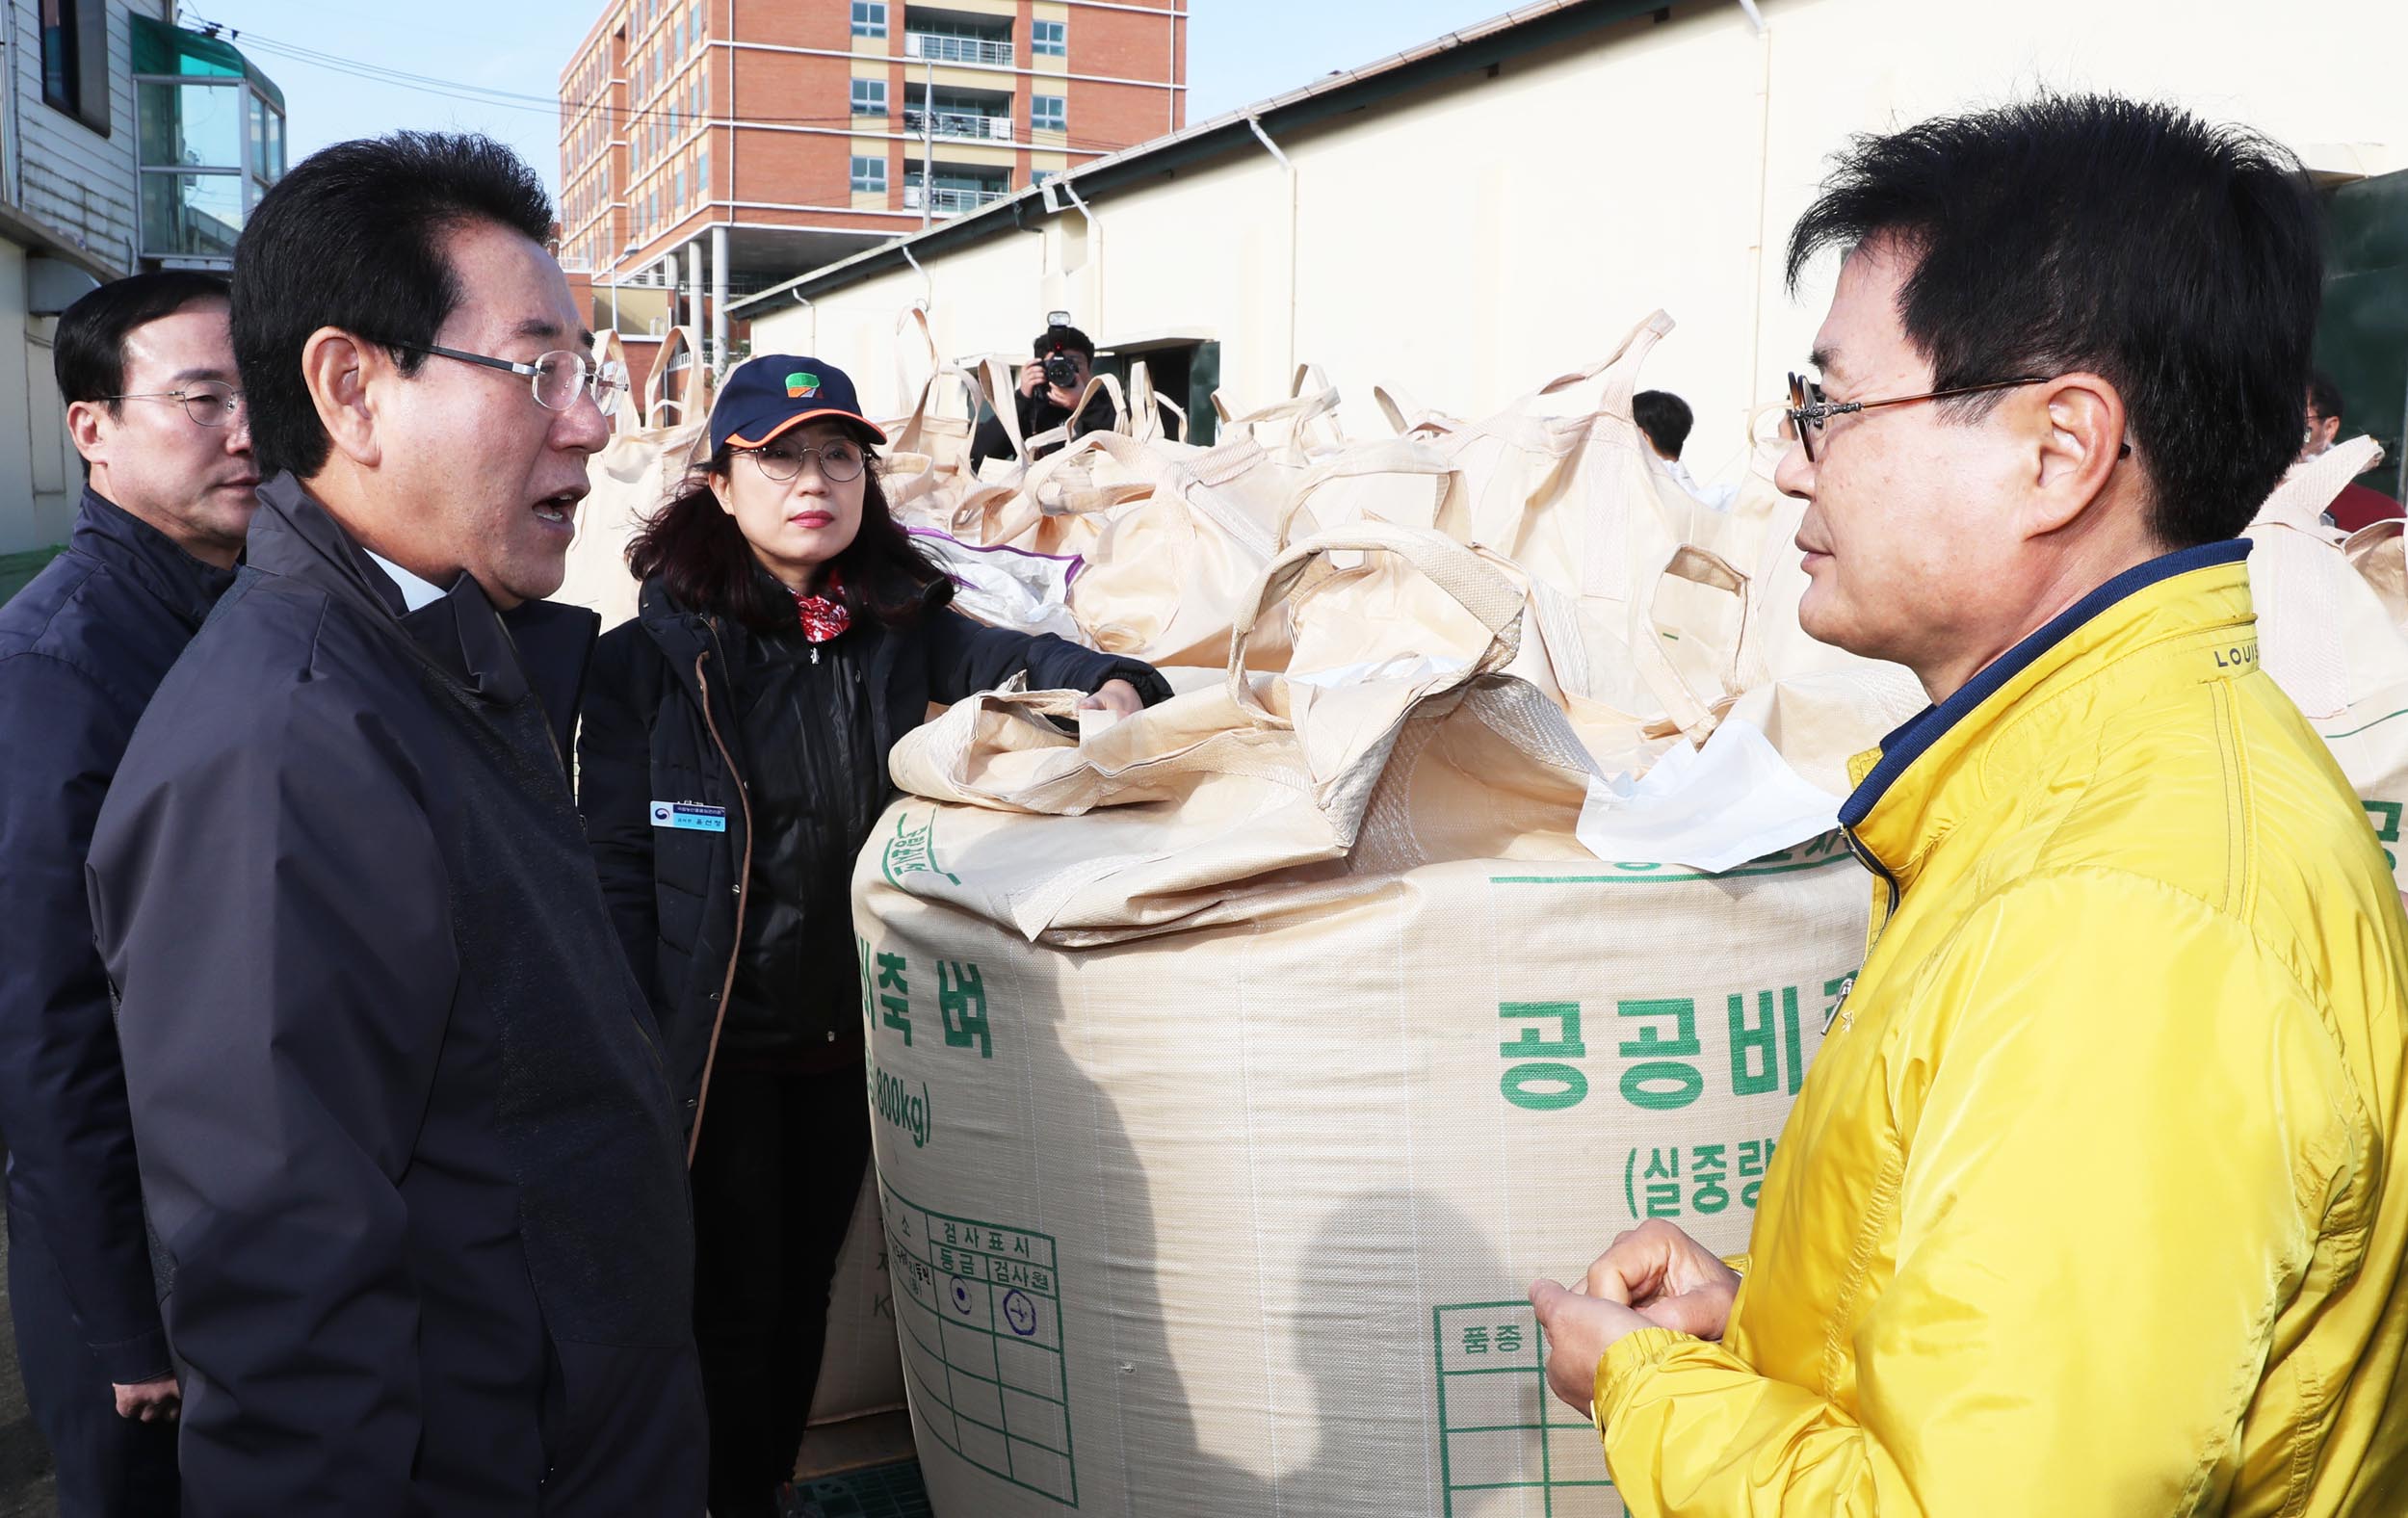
(84, 422)
(2074, 429)
(343, 374)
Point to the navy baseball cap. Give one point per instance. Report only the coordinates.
(774, 392)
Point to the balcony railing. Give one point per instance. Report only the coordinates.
(960, 123)
(939, 48)
(946, 200)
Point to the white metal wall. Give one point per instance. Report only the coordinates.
(1471, 241)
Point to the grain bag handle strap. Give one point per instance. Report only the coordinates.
(949, 743)
(2296, 582)
(1311, 398)
(625, 414)
(914, 316)
(1300, 410)
(1178, 478)
(1396, 458)
(2300, 501)
(1178, 413)
(1140, 420)
(1069, 428)
(1003, 387)
(1475, 579)
(1143, 420)
(1693, 712)
(695, 391)
(914, 429)
(1002, 512)
(1105, 383)
(1620, 368)
(1406, 414)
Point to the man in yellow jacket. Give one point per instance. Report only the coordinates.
(2095, 1202)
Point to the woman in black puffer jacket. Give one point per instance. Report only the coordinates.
(731, 765)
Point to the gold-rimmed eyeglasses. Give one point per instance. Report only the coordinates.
(1808, 410)
(209, 403)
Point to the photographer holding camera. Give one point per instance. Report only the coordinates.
(1050, 383)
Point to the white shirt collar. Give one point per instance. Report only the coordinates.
(415, 592)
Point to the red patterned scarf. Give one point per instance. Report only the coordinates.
(823, 616)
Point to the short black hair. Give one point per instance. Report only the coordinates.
(2324, 395)
(353, 238)
(88, 351)
(1665, 418)
(2179, 260)
(1068, 337)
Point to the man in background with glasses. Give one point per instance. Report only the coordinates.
(145, 366)
(2095, 1202)
(414, 1171)
(2357, 505)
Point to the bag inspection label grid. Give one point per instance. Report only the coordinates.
(980, 1309)
(1492, 1398)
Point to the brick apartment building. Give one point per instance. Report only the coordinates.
(711, 148)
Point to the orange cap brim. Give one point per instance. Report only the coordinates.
(796, 419)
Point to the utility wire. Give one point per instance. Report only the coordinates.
(621, 116)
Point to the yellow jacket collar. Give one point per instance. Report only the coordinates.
(1904, 797)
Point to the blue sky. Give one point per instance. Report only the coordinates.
(1238, 51)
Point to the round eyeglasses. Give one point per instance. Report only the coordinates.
(839, 460)
(208, 403)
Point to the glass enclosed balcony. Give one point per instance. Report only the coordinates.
(209, 127)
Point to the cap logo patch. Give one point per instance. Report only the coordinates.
(800, 386)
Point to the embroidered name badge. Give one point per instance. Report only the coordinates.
(800, 386)
(688, 816)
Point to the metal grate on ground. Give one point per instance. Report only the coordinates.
(882, 1491)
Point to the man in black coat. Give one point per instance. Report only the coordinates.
(408, 1147)
(1051, 383)
(145, 366)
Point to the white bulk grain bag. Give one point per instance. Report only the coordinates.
(2333, 630)
(1235, 1067)
(654, 441)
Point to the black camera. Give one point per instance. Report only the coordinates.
(1061, 361)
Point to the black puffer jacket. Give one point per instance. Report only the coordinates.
(662, 729)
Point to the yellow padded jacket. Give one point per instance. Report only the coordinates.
(2096, 1198)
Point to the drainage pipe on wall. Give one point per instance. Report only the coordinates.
(1094, 252)
(1294, 195)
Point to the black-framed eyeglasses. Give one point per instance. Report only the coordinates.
(210, 403)
(839, 459)
(1808, 410)
(558, 379)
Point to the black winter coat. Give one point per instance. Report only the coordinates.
(406, 1144)
(81, 650)
(660, 727)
